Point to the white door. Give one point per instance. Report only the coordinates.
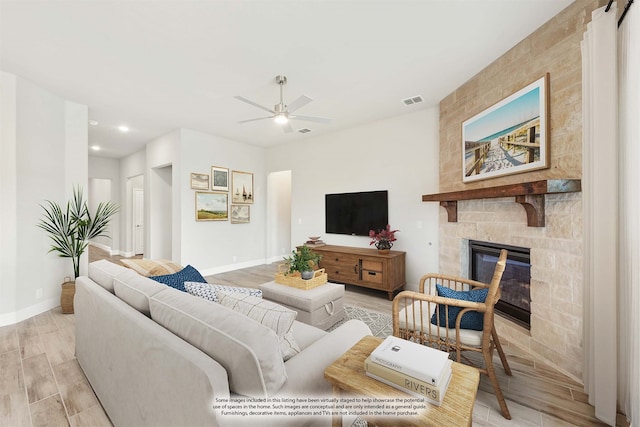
(138, 221)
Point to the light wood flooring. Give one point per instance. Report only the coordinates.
(41, 383)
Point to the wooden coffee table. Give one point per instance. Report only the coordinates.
(347, 376)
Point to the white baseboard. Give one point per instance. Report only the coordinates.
(25, 313)
(106, 248)
(126, 254)
(231, 267)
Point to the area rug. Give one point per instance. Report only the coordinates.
(379, 323)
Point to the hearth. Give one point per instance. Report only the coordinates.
(515, 300)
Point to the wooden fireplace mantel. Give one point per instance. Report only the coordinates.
(529, 194)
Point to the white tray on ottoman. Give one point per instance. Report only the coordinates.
(321, 306)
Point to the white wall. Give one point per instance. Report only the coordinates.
(103, 168)
(216, 246)
(99, 191)
(44, 150)
(162, 196)
(399, 154)
(132, 175)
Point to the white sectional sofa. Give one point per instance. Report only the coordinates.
(156, 356)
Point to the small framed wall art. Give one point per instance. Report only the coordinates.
(219, 178)
(199, 181)
(242, 187)
(509, 137)
(240, 214)
(212, 206)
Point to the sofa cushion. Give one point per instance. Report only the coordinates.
(274, 316)
(103, 272)
(247, 350)
(210, 291)
(471, 319)
(176, 280)
(151, 267)
(135, 290)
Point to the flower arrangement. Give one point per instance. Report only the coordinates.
(383, 239)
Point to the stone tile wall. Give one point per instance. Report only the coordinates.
(556, 269)
(556, 249)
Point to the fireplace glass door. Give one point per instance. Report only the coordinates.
(515, 300)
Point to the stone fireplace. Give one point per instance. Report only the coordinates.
(555, 333)
(556, 245)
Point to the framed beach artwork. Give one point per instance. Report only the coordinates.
(199, 181)
(508, 137)
(219, 178)
(240, 214)
(242, 187)
(212, 206)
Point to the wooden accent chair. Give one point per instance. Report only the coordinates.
(412, 320)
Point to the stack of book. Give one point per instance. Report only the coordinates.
(414, 368)
(314, 241)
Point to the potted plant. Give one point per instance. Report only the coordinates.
(304, 260)
(383, 239)
(71, 229)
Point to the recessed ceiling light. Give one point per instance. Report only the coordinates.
(95, 147)
(93, 122)
(123, 128)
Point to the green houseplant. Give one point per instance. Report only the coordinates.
(303, 260)
(71, 229)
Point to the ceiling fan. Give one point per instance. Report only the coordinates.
(281, 112)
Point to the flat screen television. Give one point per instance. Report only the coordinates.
(356, 213)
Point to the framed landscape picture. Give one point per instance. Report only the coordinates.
(242, 187)
(219, 178)
(212, 206)
(508, 137)
(240, 214)
(199, 181)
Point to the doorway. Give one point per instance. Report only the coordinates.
(134, 216)
(138, 221)
(279, 215)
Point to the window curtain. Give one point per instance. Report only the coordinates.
(629, 234)
(600, 205)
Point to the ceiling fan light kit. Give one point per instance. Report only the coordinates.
(281, 113)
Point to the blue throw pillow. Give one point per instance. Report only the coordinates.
(176, 280)
(471, 319)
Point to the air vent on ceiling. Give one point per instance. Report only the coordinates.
(305, 130)
(412, 100)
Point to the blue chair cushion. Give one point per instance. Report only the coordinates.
(176, 280)
(471, 319)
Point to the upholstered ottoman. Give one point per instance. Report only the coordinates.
(321, 306)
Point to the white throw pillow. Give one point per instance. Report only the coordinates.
(209, 291)
(272, 315)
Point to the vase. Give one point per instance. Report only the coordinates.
(306, 275)
(384, 246)
(66, 296)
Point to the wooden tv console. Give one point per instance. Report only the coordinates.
(363, 267)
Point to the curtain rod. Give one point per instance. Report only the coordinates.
(624, 12)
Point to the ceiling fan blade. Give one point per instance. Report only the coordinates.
(311, 118)
(253, 120)
(287, 127)
(299, 103)
(240, 98)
